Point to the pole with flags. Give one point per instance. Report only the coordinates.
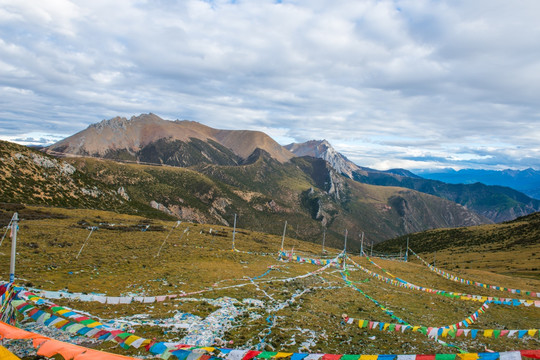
(14, 229)
(234, 232)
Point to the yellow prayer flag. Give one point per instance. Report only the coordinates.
(5, 354)
(532, 332)
(94, 324)
(130, 339)
(361, 323)
(145, 342)
(386, 325)
(59, 324)
(415, 328)
(445, 333)
(368, 357)
(209, 349)
(282, 355)
(488, 333)
(468, 356)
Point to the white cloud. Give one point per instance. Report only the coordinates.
(444, 78)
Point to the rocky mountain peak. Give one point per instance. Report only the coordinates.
(116, 123)
(323, 150)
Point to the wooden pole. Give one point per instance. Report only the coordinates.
(169, 234)
(14, 229)
(85, 241)
(407, 252)
(323, 238)
(234, 231)
(283, 238)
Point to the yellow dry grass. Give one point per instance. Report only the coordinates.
(118, 262)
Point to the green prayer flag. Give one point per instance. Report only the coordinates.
(445, 356)
(266, 355)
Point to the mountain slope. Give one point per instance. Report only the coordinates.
(306, 310)
(496, 203)
(148, 138)
(28, 176)
(493, 202)
(340, 203)
(497, 247)
(306, 192)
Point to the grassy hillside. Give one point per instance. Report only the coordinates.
(509, 248)
(28, 176)
(497, 203)
(302, 314)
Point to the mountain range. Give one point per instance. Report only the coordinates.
(305, 191)
(496, 203)
(187, 170)
(527, 181)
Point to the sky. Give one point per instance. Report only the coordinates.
(415, 84)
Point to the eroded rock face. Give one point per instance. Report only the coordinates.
(123, 193)
(188, 213)
(160, 207)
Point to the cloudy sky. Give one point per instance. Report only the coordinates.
(412, 83)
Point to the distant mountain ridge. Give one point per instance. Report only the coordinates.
(149, 138)
(496, 203)
(527, 181)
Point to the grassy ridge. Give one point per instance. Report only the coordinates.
(509, 248)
